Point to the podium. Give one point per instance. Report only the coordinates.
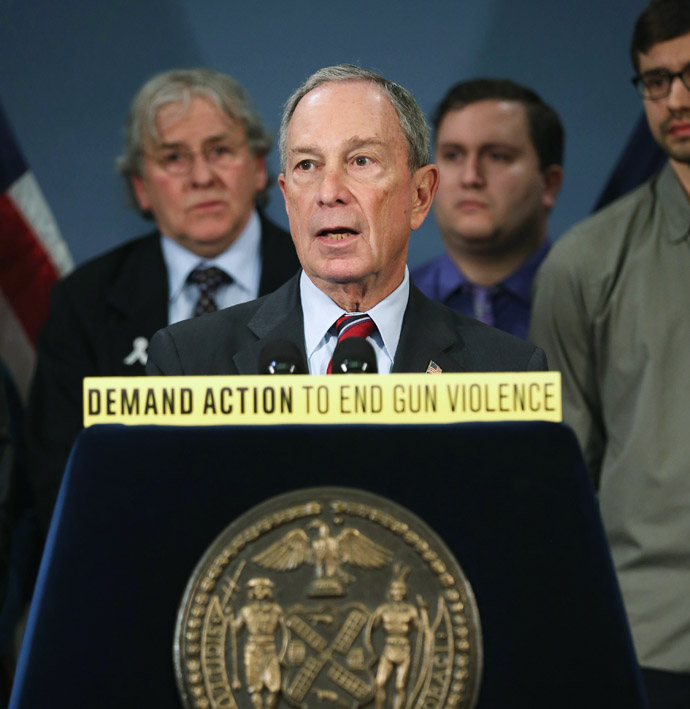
(140, 505)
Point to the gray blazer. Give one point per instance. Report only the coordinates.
(230, 341)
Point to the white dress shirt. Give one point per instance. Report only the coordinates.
(241, 261)
(320, 314)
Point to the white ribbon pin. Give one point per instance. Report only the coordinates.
(139, 352)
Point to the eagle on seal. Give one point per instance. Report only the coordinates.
(327, 553)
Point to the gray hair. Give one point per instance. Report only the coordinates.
(412, 121)
(180, 86)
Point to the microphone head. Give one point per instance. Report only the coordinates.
(281, 357)
(354, 355)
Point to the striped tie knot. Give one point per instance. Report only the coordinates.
(355, 325)
(207, 280)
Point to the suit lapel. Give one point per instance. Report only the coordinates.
(279, 317)
(278, 257)
(428, 335)
(428, 332)
(137, 303)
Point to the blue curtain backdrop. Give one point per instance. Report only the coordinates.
(70, 69)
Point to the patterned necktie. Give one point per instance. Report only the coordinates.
(207, 281)
(481, 302)
(355, 325)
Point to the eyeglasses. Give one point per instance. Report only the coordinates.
(180, 161)
(657, 83)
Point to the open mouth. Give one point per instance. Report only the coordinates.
(336, 233)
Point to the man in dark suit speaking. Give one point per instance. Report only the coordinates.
(195, 163)
(356, 179)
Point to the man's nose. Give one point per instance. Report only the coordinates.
(472, 173)
(201, 173)
(333, 188)
(679, 95)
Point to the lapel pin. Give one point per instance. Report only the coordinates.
(139, 351)
(433, 368)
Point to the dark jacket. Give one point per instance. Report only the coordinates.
(233, 338)
(96, 314)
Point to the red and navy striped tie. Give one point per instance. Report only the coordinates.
(355, 325)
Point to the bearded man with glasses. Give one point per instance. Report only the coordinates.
(195, 164)
(612, 311)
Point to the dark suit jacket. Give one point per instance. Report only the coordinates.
(96, 314)
(230, 341)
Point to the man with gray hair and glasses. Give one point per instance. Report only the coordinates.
(195, 164)
(611, 309)
(356, 179)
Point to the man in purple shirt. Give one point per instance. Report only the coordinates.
(499, 149)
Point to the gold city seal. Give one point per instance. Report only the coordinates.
(328, 597)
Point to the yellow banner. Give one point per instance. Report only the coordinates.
(304, 399)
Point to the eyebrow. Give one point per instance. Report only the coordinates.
(663, 69)
(180, 143)
(357, 142)
(350, 144)
(656, 70)
(301, 149)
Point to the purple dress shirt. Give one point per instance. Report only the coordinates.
(510, 299)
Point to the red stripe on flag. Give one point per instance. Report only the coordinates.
(27, 274)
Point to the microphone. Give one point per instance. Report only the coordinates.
(354, 355)
(281, 357)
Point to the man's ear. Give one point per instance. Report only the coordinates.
(140, 193)
(553, 179)
(425, 184)
(281, 184)
(261, 173)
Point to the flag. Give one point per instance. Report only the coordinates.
(32, 257)
(641, 158)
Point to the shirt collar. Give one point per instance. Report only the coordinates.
(450, 278)
(518, 283)
(674, 203)
(180, 262)
(320, 313)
